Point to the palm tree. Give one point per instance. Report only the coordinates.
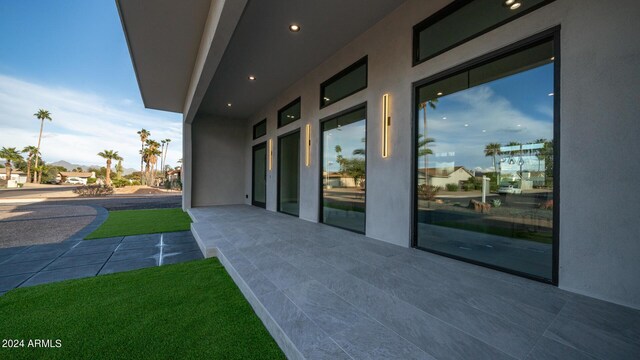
(150, 157)
(163, 142)
(39, 170)
(109, 155)
(164, 156)
(9, 155)
(31, 152)
(41, 115)
(423, 145)
(493, 149)
(425, 151)
(144, 135)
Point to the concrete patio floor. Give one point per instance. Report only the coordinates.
(326, 293)
(73, 259)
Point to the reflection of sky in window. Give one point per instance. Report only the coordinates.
(349, 137)
(516, 108)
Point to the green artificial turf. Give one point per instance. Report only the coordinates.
(137, 222)
(191, 310)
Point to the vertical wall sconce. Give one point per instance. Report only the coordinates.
(270, 153)
(386, 124)
(307, 158)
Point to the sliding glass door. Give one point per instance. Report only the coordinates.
(343, 158)
(289, 173)
(259, 176)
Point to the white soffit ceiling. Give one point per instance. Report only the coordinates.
(262, 45)
(163, 38)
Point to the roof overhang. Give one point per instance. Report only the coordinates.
(194, 56)
(168, 45)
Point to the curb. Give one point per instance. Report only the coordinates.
(101, 216)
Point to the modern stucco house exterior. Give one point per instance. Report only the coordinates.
(278, 95)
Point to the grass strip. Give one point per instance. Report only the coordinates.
(138, 222)
(190, 310)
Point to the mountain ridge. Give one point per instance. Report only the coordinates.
(69, 166)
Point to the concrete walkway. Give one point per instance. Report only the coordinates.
(326, 293)
(72, 259)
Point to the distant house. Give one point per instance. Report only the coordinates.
(71, 176)
(442, 176)
(17, 175)
(175, 174)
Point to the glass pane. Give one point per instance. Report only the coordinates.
(260, 175)
(485, 163)
(354, 80)
(260, 129)
(344, 171)
(289, 113)
(289, 173)
(468, 21)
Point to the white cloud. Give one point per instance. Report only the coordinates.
(463, 123)
(83, 124)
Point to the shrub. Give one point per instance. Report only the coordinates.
(118, 183)
(135, 182)
(452, 187)
(93, 190)
(469, 187)
(425, 192)
(496, 203)
(91, 181)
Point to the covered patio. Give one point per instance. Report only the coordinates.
(324, 292)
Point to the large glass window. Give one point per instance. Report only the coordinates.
(464, 20)
(260, 129)
(485, 162)
(289, 173)
(259, 175)
(347, 82)
(289, 113)
(344, 170)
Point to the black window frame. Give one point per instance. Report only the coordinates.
(256, 126)
(253, 174)
(280, 137)
(285, 108)
(354, 108)
(449, 10)
(362, 61)
(552, 34)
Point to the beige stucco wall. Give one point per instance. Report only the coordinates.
(599, 86)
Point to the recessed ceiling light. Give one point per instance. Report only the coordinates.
(294, 28)
(519, 125)
(550, 94)
(466, 125)
(444, 118)
(509, 2)
(251, 77)
(484, 130)
(439, 94)
(228, 104)
(515, 6)
(553, 58)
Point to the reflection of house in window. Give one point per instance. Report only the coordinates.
(440, 177)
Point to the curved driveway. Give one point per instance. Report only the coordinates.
(38, 223)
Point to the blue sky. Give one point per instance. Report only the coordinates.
(71, 57)
(515, 108)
